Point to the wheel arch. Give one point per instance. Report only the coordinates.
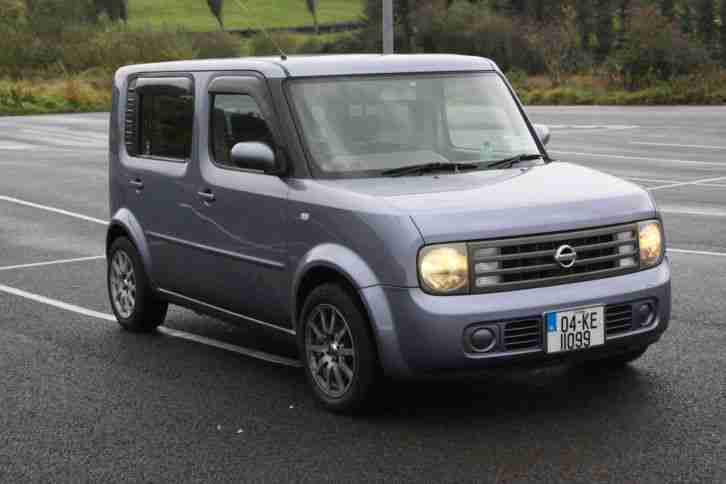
(334, 264)
(124, 224)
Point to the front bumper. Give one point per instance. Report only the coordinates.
(420, 334)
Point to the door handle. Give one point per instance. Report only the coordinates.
(206, 195)
(136, 183)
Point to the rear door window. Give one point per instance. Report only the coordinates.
(166, 123)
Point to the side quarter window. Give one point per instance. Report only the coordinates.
(160, 119)
(236, 118)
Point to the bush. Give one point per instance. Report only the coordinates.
(467, 28)
(55, 16)
(211, 45)
(111, 49)
(12, 12)
(264, 44)
(654, 49)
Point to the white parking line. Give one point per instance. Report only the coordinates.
(642, 158)
(52, 262)
(53, 209)
(174, 333)
(676, 145)
(616, 127)
(698, 252)
(683, 184)
(703, 212)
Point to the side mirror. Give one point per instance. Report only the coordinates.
(543, 132)
(253, 155)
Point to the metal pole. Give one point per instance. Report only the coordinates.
(388, 27)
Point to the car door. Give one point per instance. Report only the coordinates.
(241, 211)
(159, 142)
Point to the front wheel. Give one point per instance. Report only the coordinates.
(133, 301)
(337, 349)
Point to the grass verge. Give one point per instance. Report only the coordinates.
(70, 95)
(194, 15)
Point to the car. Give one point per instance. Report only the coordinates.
(396, 216)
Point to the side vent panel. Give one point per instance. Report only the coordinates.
(130, 126)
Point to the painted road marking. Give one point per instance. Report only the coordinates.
(657, 180)
(698, 252)
(683, 184)
(53, 209)
(51, 263)
(700, 211)
(174, 333)
(616, 127)
(13, 146)
(642, 158)
(676, 145)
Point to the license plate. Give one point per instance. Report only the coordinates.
(575, 329)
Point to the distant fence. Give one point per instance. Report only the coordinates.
(306, 29)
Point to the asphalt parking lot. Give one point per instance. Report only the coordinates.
(202, 401)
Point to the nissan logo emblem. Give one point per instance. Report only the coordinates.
(566, 256)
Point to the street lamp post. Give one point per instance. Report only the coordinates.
(388, 27)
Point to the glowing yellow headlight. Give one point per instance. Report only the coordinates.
(444, 269)
(651, 243)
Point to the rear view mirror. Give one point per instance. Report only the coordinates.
(253, 155)
(543, 132)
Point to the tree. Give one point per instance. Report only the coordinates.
(585, 16)
(706, 21)
(667, 9)
(604, 28)
(723, 31)
(313, 9)
(623, 12)
(215, 6)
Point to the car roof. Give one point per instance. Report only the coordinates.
(325, 65)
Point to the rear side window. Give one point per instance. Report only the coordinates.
(160, 117)
(236, 118)
(166, 122)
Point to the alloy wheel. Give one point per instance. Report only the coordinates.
(330, 350)
(123, 284)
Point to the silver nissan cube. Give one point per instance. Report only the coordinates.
(395, 215)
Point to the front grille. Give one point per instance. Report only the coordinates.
(525, 262)
(618, 319)
(523, 335)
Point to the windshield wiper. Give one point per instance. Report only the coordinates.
(509, 162)
(429, 167)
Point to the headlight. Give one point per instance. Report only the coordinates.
(444, 269)
(651, 243)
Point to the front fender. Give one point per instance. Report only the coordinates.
(124, 220)
(338, 258)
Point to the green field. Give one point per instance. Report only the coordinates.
(194, 14)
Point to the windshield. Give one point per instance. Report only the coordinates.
(363, 126)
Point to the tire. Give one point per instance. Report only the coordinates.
(340, 359)
(136, 306)
(618, 361)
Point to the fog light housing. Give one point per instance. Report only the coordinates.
(482, 340)
(645, 314)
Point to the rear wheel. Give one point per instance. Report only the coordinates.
(133, 301)
(337, 349)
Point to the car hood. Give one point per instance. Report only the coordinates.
(503, 203)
